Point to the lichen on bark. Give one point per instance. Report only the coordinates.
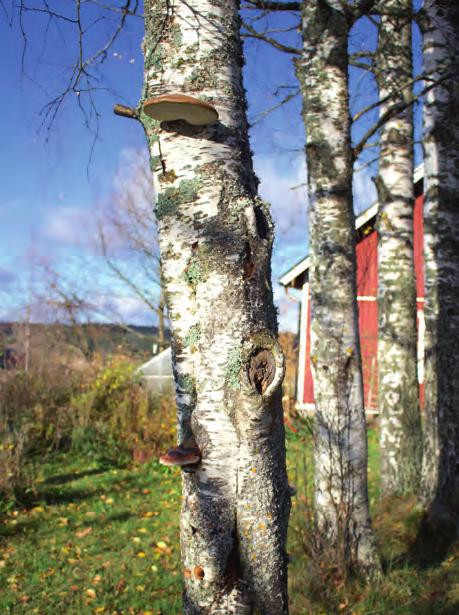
(169, 199)
(208, 213)
(340, 452)
(400, 435)
(440, 480)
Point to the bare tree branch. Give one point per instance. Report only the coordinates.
(394, 110)
(361, 65)
(273, 6)
(261, 116)
(82, 81)
(252, 33)
(128, 280)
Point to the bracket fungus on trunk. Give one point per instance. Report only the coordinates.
(172, 107)
(186, 454)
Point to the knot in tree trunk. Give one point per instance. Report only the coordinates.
(261, 370)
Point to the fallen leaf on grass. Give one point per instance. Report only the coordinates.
(162, 547)
(82, 533)
(150, 513)
(91, 593)
(121, 585)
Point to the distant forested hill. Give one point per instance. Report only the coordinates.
(91, 338)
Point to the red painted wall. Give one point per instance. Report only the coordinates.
(367, 285)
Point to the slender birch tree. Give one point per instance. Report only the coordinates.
(400, 437)
(441, 246)
(340, 455)
(215, 239)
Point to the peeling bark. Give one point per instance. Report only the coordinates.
(340, 455)
(440, 480)
(400, 438)
(216, 238)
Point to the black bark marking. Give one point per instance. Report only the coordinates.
(233, 565)
(261, 370)
(262, 223)
(247, 263)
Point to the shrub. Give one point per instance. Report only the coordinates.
(108, 416)
(116, 419)
(33, 419)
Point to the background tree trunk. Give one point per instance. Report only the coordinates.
(441, 245)
(215, 239)
(340, 455)
(401, 437)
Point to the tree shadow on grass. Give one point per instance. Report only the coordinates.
(62, 479)
(8, 531)
(412, 537)
(436, 537)
(28, 525)
(103, 520)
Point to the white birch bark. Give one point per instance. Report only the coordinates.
(441, 246)
(340, 455)
(215, 238)
(400, 438)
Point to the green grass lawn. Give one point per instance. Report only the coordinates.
(106, 540)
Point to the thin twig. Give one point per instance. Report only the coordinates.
(252, 33)
(273, 6)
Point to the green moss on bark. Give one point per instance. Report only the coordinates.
(170, 198)
(186, 383)
(193, 336)
(233, 367)
(198, 267)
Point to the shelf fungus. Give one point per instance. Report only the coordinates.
(186, 454)
(172, 107)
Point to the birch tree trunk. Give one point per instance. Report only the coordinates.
(401, 437)
(441, 245)
(215, 238)
(341, 496)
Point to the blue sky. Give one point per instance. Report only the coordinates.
(53, 181)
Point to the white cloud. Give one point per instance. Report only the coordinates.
(133, 177)
(283, 184)
(69, 226)
(130, 310)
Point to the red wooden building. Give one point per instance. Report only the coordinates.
(367, 285)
